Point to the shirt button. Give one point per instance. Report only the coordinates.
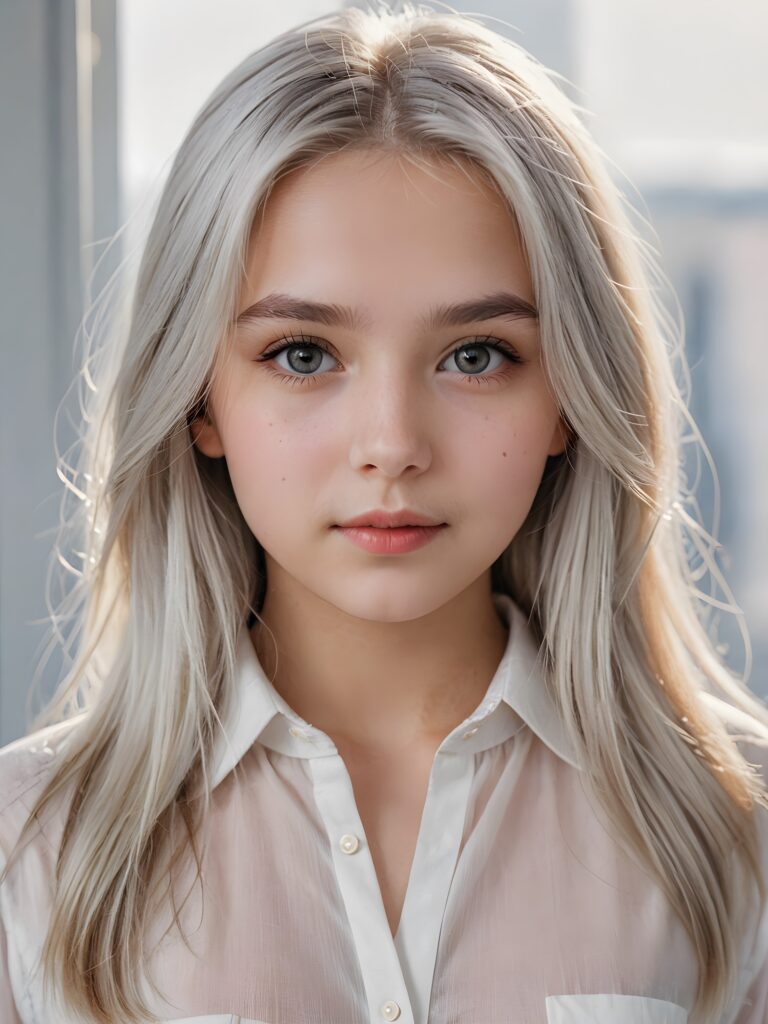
(351, 844)
(469, 732)
(296, 731)
(390, 1010)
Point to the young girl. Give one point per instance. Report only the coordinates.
(393, 700)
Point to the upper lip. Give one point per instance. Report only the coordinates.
(382, 519)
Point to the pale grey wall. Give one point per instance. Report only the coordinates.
(58, 160)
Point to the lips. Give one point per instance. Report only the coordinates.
(392, 540)
(381, 519)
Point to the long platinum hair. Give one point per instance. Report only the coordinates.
(169, 569)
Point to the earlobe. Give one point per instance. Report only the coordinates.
(561, 437)
(206, 438)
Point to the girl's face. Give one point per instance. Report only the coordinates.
(393, 410)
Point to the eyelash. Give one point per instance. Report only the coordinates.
(302, 341)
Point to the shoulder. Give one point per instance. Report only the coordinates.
(26, 764)
(751, 737)
(750, 734)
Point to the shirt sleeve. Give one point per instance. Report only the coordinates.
(8, 1011)
(754, 1009)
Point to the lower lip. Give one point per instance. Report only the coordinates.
(397, 540)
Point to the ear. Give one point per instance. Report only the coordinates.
(561, 435)
(206, 437)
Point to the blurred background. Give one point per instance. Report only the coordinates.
(97, 94)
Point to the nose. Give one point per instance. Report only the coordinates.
(391, 429)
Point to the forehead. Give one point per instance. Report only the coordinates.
(377, 222)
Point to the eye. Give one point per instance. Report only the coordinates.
(305, 355)
(473, 355)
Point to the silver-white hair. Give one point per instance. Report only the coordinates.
(170, 568)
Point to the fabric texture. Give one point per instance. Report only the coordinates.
(521, 908)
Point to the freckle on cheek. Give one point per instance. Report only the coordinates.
(504, 454)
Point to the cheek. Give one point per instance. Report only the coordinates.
(502, 464)
(276, 466)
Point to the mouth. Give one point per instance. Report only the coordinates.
(383, 529)
(390, 540)
(381, 519)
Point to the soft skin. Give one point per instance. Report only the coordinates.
(381, 651)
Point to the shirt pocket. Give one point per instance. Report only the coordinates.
(613, 1009)
(214, 1018)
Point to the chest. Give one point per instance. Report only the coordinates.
(521, 908)
(390, 795)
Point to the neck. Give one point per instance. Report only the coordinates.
(380, 685)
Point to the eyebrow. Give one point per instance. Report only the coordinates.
(501, 305)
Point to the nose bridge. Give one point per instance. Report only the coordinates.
(390, 382)
(389, 423)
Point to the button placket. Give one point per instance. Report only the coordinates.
(432, 870)
(385, 986)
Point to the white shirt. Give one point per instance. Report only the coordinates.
(520, 907)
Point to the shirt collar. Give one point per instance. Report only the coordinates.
(516, 697)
